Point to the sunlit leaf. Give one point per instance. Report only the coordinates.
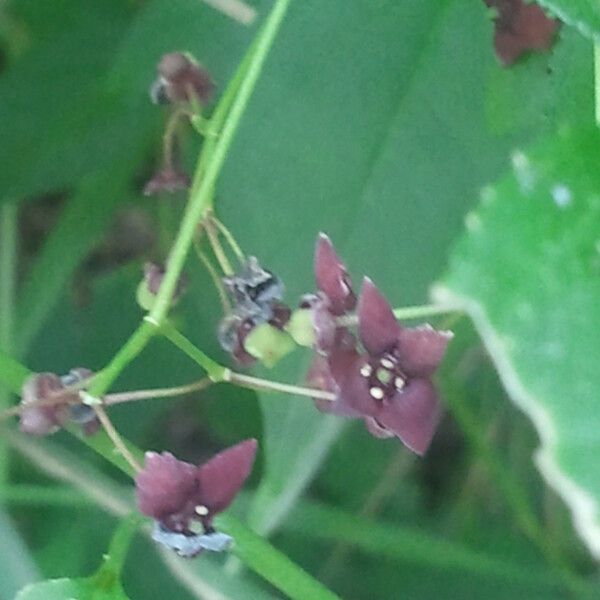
(526, 271)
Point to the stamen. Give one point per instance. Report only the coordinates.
(201, 510)
(387, 363)
(366, 370)
(377, 393)
(399, 383)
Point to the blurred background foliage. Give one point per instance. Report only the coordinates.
(377, 122)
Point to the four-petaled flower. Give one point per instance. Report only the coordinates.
(389, 384)
(177, 494)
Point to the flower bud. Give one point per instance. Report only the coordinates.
(268, 344)
(181, 79)
(150, 285)
(167, 180)
(41, 420)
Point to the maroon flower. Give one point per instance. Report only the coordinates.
(176, 493)
(390, 384)
(181, 79)
(168, 180)
(520, 28)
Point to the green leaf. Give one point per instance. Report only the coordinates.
(271, 564)
(583, 14)
(526, 271)
(12, 373)
(407, 545)
(103, 585)
(69, 589)
(17, 567)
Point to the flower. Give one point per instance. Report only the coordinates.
(169, 179)
(520, 28)
(389, 385)
(177, 494)
(181, 79)
(47, 404)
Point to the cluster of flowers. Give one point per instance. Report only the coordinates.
(385, 380)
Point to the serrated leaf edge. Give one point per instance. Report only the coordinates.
(583, 506)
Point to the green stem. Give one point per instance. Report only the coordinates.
(8, 279)
(119, 547)
(269, 563)
(597, 80)
(208, 169)
(406, 313)
(214, 370)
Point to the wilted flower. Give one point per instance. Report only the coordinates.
(177, 495)
(255, 327)
(168, 180)
(46, 387)
(181, 79)
(520, 27)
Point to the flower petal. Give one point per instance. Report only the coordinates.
(165, 485)
(377, 430)
(345, 365)
(377, 326)
(332, 277)
(222, 477)
(412, 414)
(319, 376)
(421, 349)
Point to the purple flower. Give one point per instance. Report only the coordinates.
(389, 384)
(176, 493)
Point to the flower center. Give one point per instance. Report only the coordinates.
(383, 376)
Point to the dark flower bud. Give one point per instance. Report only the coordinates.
(168, 180)
(150, 285)
(181, 79)
(41, 420)
(44, 387)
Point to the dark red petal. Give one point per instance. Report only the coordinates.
(222, 477)
(377, 326)
(165, 485)
(319, 377)
(412, 414)
(332, 277)
(377, 430)
(421, 349)
(354, 390)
